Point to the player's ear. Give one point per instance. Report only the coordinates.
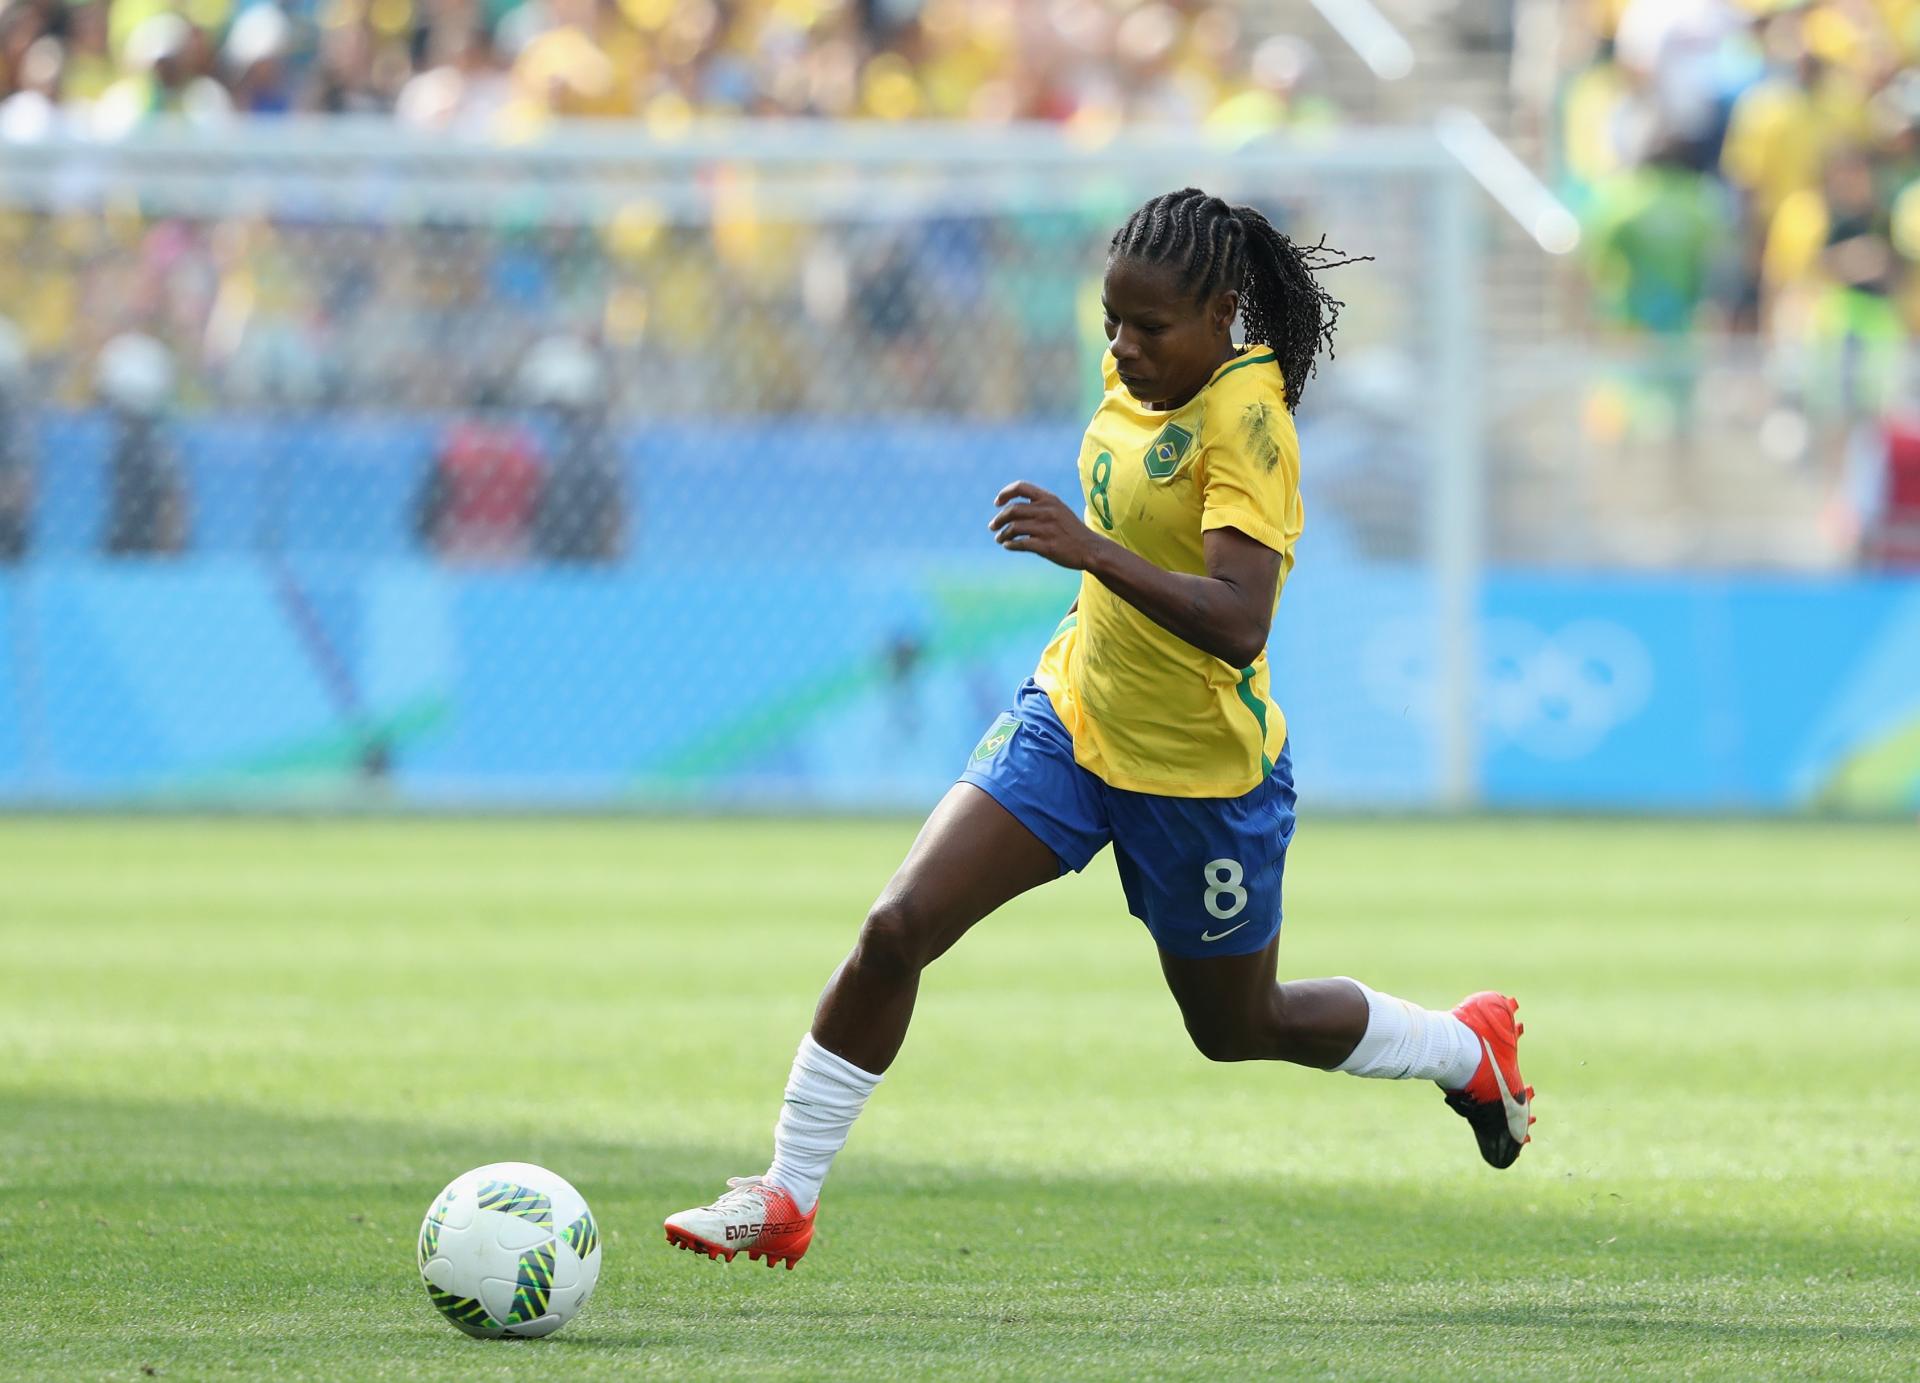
(1226, 306)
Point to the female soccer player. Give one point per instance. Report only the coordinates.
(1148, 724)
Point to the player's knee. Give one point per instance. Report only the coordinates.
(890, 944)
(1218, 1041)
(1229, 1032)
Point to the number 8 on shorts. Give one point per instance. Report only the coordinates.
(1224, 897)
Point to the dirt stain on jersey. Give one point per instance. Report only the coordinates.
(1256, 434)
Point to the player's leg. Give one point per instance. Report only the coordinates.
(1236, 1010)
(1023, 814)
(1205, 877)
(972, 856)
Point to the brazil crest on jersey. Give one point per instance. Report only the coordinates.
(1148, 711)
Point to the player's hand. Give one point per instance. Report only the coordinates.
(1034, 520)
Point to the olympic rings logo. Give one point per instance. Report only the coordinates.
(1559, 695)
(1555, 695)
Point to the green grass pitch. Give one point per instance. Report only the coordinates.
(237, 1059)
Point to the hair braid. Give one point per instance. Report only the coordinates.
(1214, 246)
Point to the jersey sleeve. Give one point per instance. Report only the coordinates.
(1251, 472)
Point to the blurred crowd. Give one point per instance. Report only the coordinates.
(723, 317)
(502, 67)
(1756, 167)
(261, 305)
(528, 338)
(1750, 172)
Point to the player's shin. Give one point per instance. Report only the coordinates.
(825, 1094)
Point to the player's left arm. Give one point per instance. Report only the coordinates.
(1227, 612)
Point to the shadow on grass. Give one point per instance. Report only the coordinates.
(914, 1261)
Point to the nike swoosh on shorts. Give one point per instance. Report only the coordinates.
(1209, 936)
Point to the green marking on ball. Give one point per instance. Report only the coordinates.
(464, 1311)
(535, 1285)
(430, 1230)
(511, 1199)
(582, 1235)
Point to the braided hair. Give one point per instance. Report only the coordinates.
(1213, 246)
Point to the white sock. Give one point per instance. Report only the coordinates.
(825, 1094)
(1406, 1042)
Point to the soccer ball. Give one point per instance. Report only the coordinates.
(509, 1249)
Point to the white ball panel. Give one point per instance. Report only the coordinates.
(545, 1325)
(513, 1233)
(496, 1294)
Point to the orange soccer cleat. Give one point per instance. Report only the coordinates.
(753, 1215)
(1497, 1102)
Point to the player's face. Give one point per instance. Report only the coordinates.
(1165, 344)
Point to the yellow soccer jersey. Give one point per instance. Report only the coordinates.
(1148, 711)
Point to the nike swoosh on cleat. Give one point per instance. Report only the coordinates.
(1516, 1109)
(1209, 936)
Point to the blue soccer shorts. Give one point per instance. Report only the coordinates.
(1203, 873)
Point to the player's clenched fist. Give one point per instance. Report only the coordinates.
(1034, 520)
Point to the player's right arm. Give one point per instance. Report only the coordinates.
(1226, 613)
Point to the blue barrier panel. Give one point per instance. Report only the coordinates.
(864, 682)
(15, 701)
(345, 486)
(1698, 693)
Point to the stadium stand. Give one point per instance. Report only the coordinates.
(1743, 301)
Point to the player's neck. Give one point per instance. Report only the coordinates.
(1174, 405)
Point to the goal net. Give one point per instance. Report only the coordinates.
(653, 468)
